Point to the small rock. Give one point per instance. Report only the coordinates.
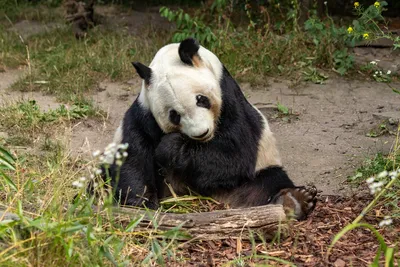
(339, 263)
(380, 107)
(392, 121)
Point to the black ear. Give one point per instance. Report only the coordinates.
(143, 71)
(187, 49)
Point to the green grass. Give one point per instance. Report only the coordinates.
(69, 68)
(28, 126)
(16, 10)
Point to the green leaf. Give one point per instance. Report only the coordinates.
(283, 108)
(74, 228)
(106, 253)
(389, 257)
(396, 91)
(350, 227)
(132, 225)
(8, 181)
(7, 161)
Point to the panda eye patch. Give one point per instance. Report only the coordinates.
(174, 117)
(203, 101)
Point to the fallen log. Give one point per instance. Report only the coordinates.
(256, 222)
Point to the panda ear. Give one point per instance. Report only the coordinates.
(188, 52)
(143, 71)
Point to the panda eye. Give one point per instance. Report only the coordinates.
(203, 101)
(174, 117)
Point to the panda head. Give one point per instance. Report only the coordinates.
(181, 88)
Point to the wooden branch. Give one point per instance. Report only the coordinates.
(233, 223)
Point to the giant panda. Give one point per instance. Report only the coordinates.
(192, 127)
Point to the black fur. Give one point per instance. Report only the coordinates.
(187, 49)
(142, 133)
(143, 71)
(227, 162)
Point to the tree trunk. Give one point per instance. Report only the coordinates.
(245, 223)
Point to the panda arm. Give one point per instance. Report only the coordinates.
(137, 181)
(222, 163)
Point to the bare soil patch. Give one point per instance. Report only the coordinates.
(9, 77)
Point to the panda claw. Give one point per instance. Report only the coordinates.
(298, 201)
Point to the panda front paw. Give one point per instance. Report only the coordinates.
(298, 201)
(168, 150)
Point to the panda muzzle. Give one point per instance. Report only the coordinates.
(202, 135)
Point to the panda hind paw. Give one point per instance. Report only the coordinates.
(298, 201)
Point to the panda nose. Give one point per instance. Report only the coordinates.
(202, 135)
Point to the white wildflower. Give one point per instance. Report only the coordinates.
(375, 187)
(123, 146)
(370, 180)
(98, 171)
(118, 155)
(376, 72)
(386, 221)
(373, 62)
(82, 179)
(77, 184)
(382, 174)
(125, 154)
(118, 162)
(393, 174)
(92, 176)
(109, 159)
(388, 72)
(326, 2)
(96, 153)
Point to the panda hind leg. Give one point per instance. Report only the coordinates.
(298, 201)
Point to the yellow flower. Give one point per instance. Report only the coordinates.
(356, 4)
(377, 4)
(366, 35)
(349, 29)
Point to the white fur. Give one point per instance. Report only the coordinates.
(118, 134)
(268, 153)
(174, 85)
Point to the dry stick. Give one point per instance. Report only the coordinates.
(233, 223)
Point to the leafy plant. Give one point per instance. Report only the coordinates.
(313, 75)
(188, 26)
(283, 109)
(343, 61)
(7, 163)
